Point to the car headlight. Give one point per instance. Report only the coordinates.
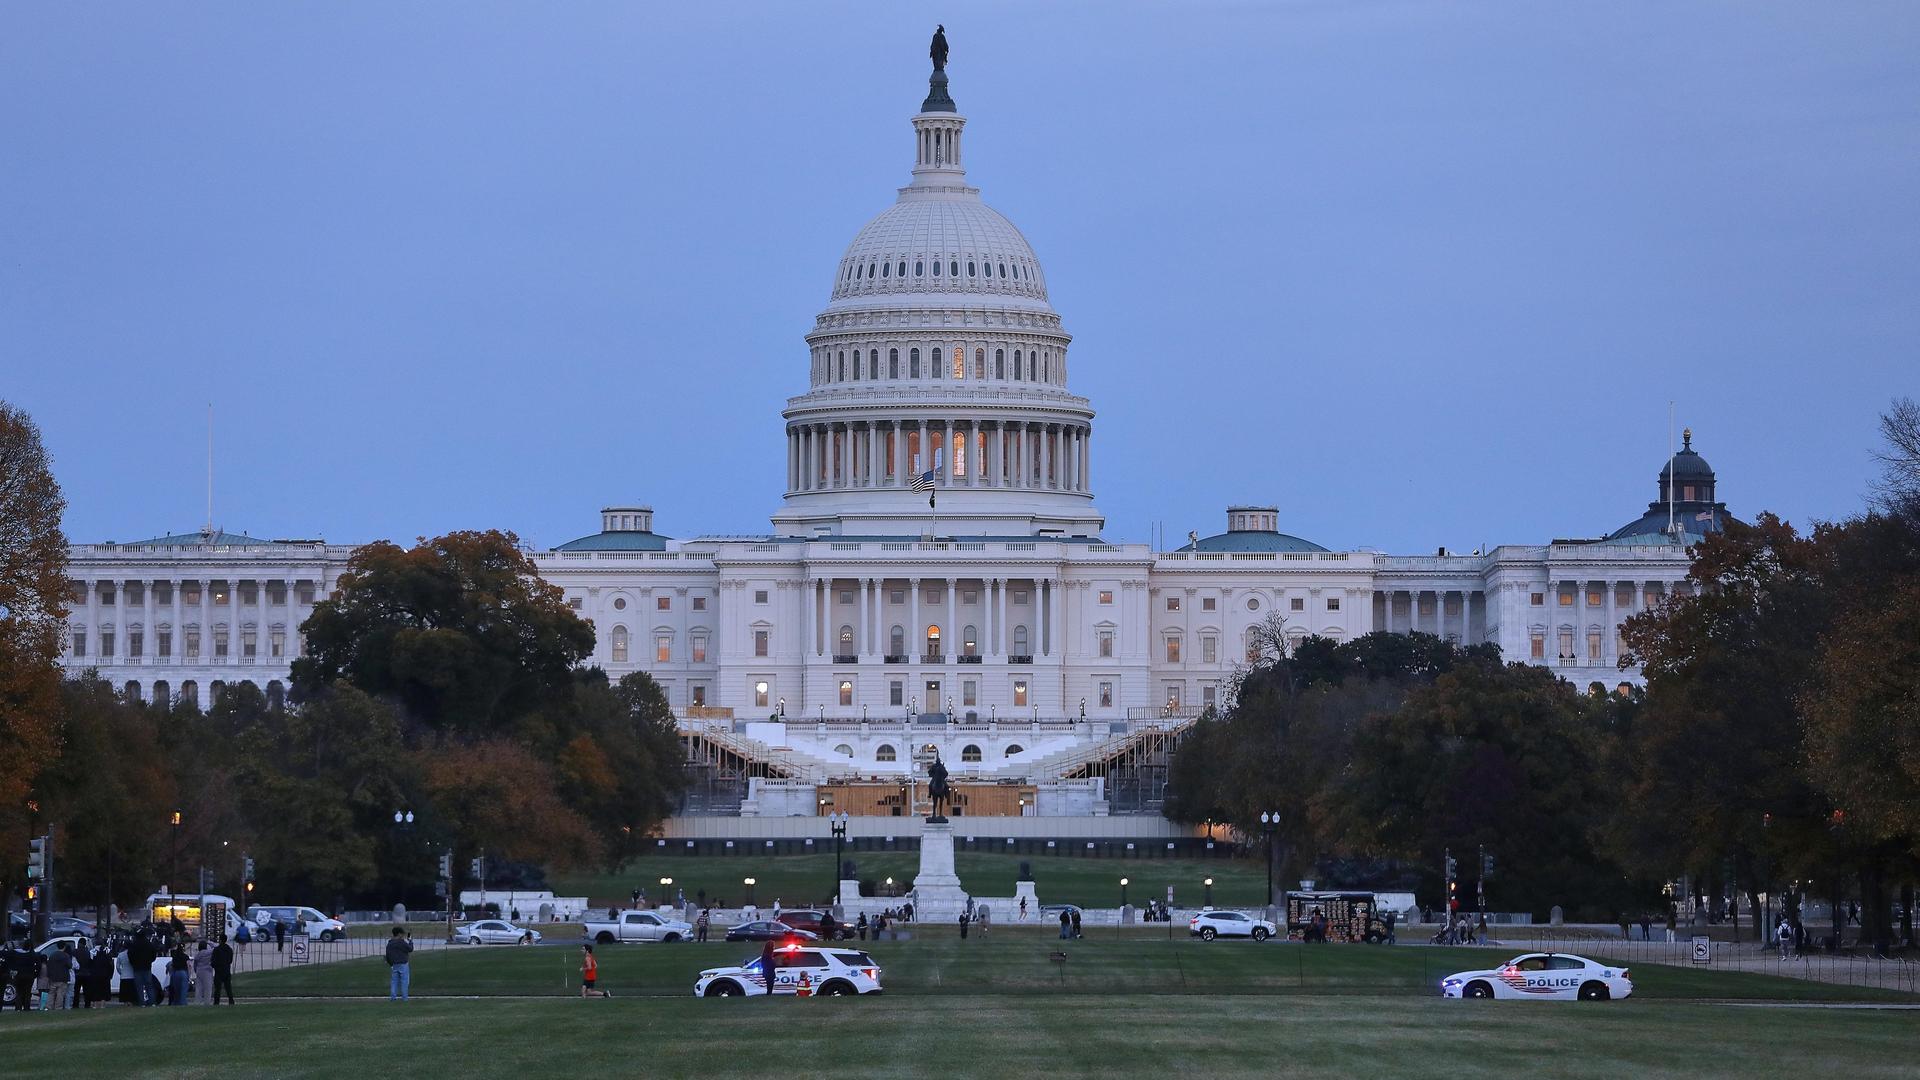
(1449, 981)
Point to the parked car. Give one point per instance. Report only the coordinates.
(798, 970)
(298, 919)
(1542, 977)
(769, 930)
(636, 926)
(499, 932)
(809, 919)
(1212, 924)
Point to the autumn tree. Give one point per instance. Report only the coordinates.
(33, 559)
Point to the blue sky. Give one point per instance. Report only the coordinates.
(1422, 274)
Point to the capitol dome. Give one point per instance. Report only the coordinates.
(942, 243)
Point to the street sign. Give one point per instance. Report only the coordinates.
(1702, 949)
(299, 954)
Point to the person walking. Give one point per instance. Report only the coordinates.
(1672, 924)
(279, 934)
(860, 926)
(766, 964)
(399, 959)
(1076, 923)
(241, 935)
(776, 907)
(203, 975)
(700, 926)
(1066, 924)
(589, 973)
(60, 975)
(1023, 909)
(179, 974)
(1646, 927)
(222, 961)
(829, 927)
(140, 957)
(965, 918)
(984, 916)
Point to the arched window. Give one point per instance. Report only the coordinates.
(190, 693)
(162, 694)
(132, 690)
(216, 690)
(893, 363)
(885, 753)
(1020, 641)
(1016, 365)
(903, 268)
(936, 268)
(846, 641)
(969, 642)
(846, 691)
(979, 363)
(953, 268)
(1013, 748)
(933, 641)
(856, 365)
(969, 752)
(1003, 270)
(619, 644)
(919, 268)
(1033, 366)
(844, 750)
(897, 642)
(970, 268)
(913, 363)
(873, 359)
(841, 369)
(1046, 364)
(871, 267)
(276, 694)
(886, 268)
(999, 363)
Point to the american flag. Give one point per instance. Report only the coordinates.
(923, 482)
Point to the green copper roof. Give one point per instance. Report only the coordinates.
(195, 539)
(626, 540)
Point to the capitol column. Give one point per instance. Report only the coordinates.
(873, 454)
(1609, 650)
(178, 645)
(807, 606)
(1001, 622)
(924, 460)
(950, 638)
(93, 622)
(149, 639)
(916, 633)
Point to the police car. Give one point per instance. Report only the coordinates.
(799, 971)
(1542, 977)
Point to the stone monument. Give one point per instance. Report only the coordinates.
(937, 895)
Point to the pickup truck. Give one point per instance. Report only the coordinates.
(636, 926)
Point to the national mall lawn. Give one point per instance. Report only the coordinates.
(1124, 1002)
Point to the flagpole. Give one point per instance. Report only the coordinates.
(1670, 459)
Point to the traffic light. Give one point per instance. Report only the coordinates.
(36, 858)
(246, 869)
(249, 888)
(33, 893)
(478, 867)
(1453, 868)
(1486, 866)
(446, 866)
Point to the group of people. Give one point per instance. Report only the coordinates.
(1069, 923)
(80, 976)
(970, 915)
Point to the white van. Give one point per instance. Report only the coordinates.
(298, 918)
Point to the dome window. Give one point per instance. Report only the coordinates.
(886, 269)
(871, 267)
(936, 268)
(970, 270)
(919, 269)
(1003, 270)
(903, 268)
(953, 268)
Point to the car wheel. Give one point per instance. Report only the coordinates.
(1208, 933)
(8, 994)
(328, 935)
(1374, 939)
(603, 938)
(836, 988)
(1259, 933)
(671, 937)
(473, 941)
(724, 988)
(1594, 991)
(1477, 990)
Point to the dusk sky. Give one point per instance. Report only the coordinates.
(1421, 274)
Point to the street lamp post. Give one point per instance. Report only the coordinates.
(1123, 892)
(748, 882)
(1209, 901)
(838, 823)
(783, 708)
(665, 883)
(173, 855)
(1269, 821)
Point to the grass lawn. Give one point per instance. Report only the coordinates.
(799, 880)
(965, 1035)
(1012, 961)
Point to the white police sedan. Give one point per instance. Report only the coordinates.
(1542, 977)
(1212, 924)
(798, 971)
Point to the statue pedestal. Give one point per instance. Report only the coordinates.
(937, 895)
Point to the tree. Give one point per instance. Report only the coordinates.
(459, 629)
(33, 560)
(1900, 458)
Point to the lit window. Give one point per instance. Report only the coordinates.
(846, 641)
(663, 648)
(1106, 695)
(1020, 693)
(1566, 599)
(1173, 650)
(1566, 644)
(846, 691)
(1106, 596)
(969, 642)
(663, 603)
(699, 648)
(1173, 603)
(760, 694)
(619, 645)
(959, 362)
(760, 638)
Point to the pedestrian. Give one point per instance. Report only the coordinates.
(965, 917)
(1625, 932)
(860, 926)
(1672, 924)
(1023, 909)
(399, 959)
(776, 907)
(242, 935)
(766, 964)
(223, 972)
(179, 975)
(1783, 934)
(203, 975)
(1393, 918)
(1481, 935)
(829, 927)
(1076, 923)
(516, 913)
(700, 926)
(21, 971)
(60, 975)
(590, 973)
(100, 977)
(1066, 924)
(1646, 928)
(140, 957)
(985, 917)
(41, 987)
(279, 934)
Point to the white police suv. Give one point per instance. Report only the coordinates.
(1212, 924)
(1542, 977)
(798, 971)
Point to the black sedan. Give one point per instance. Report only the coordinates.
(768, 930)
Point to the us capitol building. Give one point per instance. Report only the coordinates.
(812, 666)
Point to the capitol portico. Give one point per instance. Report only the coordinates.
(937, 553)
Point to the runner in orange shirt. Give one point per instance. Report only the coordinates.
(589, 973)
